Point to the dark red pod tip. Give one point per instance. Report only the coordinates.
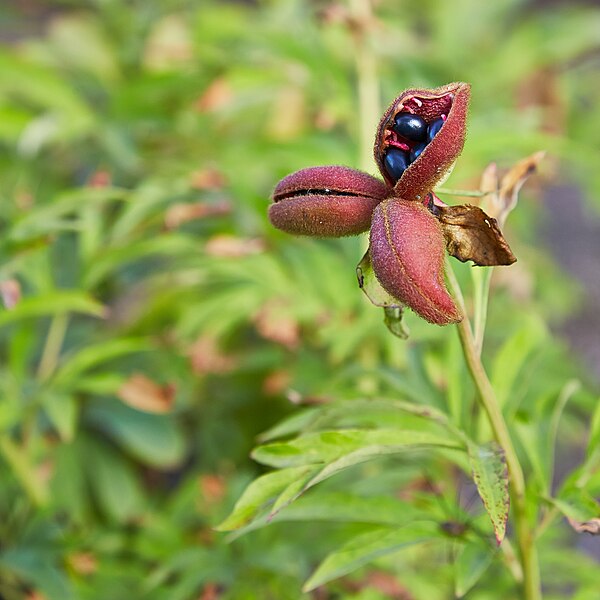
(443, 111)
(333, 201)
(407, 253)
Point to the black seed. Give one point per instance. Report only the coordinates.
(411, 127)
(416, 151)
(396, 162)
(434, 128)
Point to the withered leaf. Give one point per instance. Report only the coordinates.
(503, 196)
(592, 526)
(371, 287)
(141, 393)
(392, 307)
(10, 292)
(471, 234)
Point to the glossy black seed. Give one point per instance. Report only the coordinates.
(416, 151)
(411, 127)
(395, 162)
(434, 128)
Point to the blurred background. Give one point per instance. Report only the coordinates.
(153, 324)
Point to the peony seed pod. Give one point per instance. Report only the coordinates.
(407, 252)
(331, 201)
(419, 138)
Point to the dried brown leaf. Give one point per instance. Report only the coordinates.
(216, 95)
(83, 563)
(168, 45)
(473, 235)
(181, 213)
(206, 357)
(208, 178)
(388, 585)
(489, 182)
(592, 526)
(100, 179)
(504, 200)
(212, 488)
(142, 393)
(276, 382)
(10, 291)
(211, 591)
(273, 322)
(230, 246)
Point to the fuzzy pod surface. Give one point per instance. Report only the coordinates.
(407, 252)
(331, 201)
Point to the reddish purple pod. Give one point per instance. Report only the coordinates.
(433, 163)
(330, 201)
(407, 252)
(417, 142)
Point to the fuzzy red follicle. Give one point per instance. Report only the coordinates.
(330, 201)
(407, 252)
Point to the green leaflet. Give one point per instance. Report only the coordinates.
(471, 562)
(329, 446)
(491, 478)
(258, 494)
(369, 546)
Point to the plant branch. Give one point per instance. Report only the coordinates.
(487, 396)
(463, 193)
(481, 286)
(366, 70)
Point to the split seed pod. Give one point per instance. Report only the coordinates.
(419, 138)
(450, 103)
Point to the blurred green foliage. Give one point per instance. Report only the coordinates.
(154, 323)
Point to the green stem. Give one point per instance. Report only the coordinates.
(368, 86)
(464, 193)
(481, 285)
(487, 396)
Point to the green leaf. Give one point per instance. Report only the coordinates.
(69, 375)
(367, 547)
(55, 303)
(371, 287)
(490, 475)
(55, 216)
(329, 446)
(114, 483)
(370, 444)
(472, 560)
(392, 307)
(594, 440)
(512, 356)
(24, 470)
(258, 494)
(295, 423)
(290, 493)
(392, 317)
(63, 411)
(577, 504)
(569, 389)
(36, 566)
(341, 507)
(155, 440)
(115, 258)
